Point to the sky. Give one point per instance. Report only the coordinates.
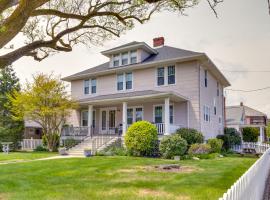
(239, 39)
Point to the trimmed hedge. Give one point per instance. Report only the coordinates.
(173, 145)
(141, 139)
(192, 136)
(215, 144)
(250, 134)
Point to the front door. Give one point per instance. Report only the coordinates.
(107, 120)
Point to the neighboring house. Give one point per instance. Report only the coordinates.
(242, 116)
(32, 130)
(167, 86)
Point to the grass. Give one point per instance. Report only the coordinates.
(23, 156)
(114, 178)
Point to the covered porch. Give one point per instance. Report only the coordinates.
(113, 114)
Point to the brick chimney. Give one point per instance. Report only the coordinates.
(157, 42)
(241, 104)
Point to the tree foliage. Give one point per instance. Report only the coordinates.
(10, 130)
(46, 102)
(50, 26)
(250, 134)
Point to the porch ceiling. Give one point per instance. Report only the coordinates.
(136, 96)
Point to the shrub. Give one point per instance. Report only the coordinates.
(192, 136)
(141, 138)
(250, 134)
(40, 148)
(173, 145)
(231, 137)
(51, 141)
(69, 143)
(215, 144)
(199, 149)
(115, 149)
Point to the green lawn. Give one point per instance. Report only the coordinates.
(114, 178)
(23, 156)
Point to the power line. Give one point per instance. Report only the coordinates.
(246, 71)
(246, 91)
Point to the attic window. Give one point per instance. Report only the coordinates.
(116, 60)
(124, 58)
(133, 57)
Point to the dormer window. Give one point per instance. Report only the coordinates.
(116, 60)
(124, 58)
(133, 57)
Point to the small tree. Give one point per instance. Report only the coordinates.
(141, 138)
(230, 137)
(250, 134)
(46, 102)
(11, 130)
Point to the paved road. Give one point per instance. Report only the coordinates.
(266, 195)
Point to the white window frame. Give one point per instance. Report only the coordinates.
(134, 112)
(163, 112)
(136, 51)
(215, 106)
(166, 75)
(127, 52)
(94, 118)
(206, 112)
(119, 59)
(124, 81)
(90, 86)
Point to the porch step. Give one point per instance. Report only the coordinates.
(88, 143)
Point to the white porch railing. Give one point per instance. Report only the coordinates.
(160, 128)
(30, 144)
(251, 185)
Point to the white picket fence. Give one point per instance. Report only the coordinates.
(251, 185)
(30, 144)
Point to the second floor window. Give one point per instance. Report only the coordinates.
(205, 78)
(128, 81)
(120, 82)
(116, 62)
(93, 86)
(124, 57)
(171, 75)
(86, 86)
(160, 76)
(133, 57)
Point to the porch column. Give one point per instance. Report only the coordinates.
(90, 118)
(167, 116)
(124, 118)
(261, 134)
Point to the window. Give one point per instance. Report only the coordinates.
(160, 76)
(139, 114)
(93, 86)
(86, 86)
(217, 88)
(205, 78)
(171, 114)
(215, 107)
(206, 113)
(128, 81)
(84, 118)
(158, 114)
(133, 57)
(220, 119)
(120, 82)
(116, 60)
(124, 58)
(129, 116)
(171, 75)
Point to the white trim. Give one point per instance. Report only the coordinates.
(163, 114)
(107, 109)
(134, 112)
(83, 110)
(165, 75)
(124, 81)
(90, 86)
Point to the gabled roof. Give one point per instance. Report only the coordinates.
(236, 114)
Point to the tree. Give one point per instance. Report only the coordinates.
(51, 26)
(250, 134)
(10, 130)
(46, 102)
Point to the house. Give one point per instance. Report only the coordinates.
(167, 86)
(242, 116)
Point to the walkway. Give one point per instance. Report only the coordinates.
(266, 195)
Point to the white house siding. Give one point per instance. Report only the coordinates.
(207, 94)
